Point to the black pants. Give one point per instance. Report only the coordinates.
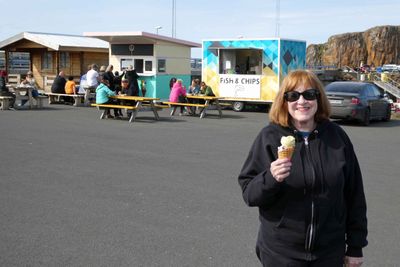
(112, 101)
(182, 99)
(270, 259)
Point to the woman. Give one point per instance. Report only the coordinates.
(109, 76)
(312, 207)
(103, 93)
(132, 77)
(172, 81)
(178, 95)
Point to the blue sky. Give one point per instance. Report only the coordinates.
(311, 20)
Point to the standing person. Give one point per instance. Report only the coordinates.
(171, 83)
(132, 77)
(117, 81)
(102, 70)
(4, 90)
(109, 76)
(312, 207)
(178, 95)
(59, 82)
(143, 87)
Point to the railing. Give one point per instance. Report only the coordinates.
(321, 67)
(386, 84)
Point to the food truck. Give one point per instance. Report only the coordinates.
(243, 71)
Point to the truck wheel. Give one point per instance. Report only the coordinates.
(238, 106)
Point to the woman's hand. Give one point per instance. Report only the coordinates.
(280, 169)
(353, 261)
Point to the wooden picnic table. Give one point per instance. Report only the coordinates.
(139, 101)
(208, 100)
(19, 96)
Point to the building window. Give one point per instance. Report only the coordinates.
(47, 60)
(138, 65)
(64, 60)
(148, 65)
(161, 65)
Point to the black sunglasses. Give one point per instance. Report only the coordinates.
(310, 94)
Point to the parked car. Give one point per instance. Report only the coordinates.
(359, 101)
(390, 68)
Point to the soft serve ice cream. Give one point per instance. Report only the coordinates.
(287, 147)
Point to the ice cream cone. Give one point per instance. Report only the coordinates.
(286, 153)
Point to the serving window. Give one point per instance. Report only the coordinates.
(142, 66)
(240, 61)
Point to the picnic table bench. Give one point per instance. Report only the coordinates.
(136, 101)
(55, 97)
(208, 100)
(20, 97)
(175, 105)
(5, 102)
(106, 107)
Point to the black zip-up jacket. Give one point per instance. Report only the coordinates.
(320, 207)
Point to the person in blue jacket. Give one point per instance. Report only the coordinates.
(312, 207)
(103, 93)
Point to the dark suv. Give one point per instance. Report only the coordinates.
(357, 101)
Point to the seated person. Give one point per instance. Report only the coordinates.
(58, 85)
(103, 92)
(206, 90)
(3, 88)
(194, 88)
(70, 88)
(82, 84)
(124, 87)
(178, 95)
(29, 81)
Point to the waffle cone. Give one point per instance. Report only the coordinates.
(286, 153)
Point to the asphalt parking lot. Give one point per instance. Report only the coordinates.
(79, 191)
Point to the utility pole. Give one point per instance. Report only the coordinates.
(277, 18)
(173, 35)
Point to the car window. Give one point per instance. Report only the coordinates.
(364, 92)
(370, 91)
(375, 91)
(341, 87)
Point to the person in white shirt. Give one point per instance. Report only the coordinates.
(92, 81)
(92, 77)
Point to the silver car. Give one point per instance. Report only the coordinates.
(359, 101)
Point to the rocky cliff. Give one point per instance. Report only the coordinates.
(376, 46)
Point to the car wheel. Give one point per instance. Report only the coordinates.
(367, 117)
(238, 106)
(388, 114)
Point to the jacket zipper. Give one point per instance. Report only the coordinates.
(311, 229)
